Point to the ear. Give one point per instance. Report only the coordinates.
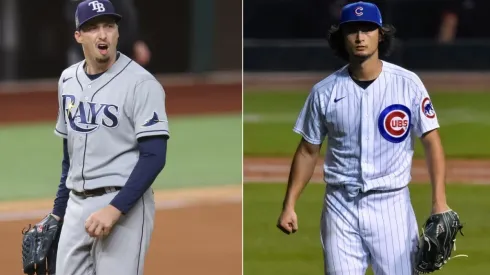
(78, 37)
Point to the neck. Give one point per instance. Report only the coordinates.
(95, 67)
(368, 69)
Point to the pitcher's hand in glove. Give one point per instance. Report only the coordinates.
(39, 246)
(437, 241)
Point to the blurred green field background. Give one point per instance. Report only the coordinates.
(269, 251)
(33, 167)
(270, 116)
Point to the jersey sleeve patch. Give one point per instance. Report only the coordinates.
(153, 120)
(153, 125)
(149, 125)
(149, 113)
(427, 108)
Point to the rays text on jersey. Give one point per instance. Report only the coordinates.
(87, 117)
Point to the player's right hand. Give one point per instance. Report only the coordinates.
(288, 221)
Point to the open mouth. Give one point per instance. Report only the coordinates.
(103, 48)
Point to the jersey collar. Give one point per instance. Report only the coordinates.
(114, 70)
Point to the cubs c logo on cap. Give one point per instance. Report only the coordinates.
(394, 123)
(358, 11)
(427, 108)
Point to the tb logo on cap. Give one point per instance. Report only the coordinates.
(97, 6)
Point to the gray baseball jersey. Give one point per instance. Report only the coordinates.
(102, 120)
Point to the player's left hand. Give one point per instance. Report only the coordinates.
(100, 223)
(437, 242)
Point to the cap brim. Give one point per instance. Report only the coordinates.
(118, 18)
(367, 21)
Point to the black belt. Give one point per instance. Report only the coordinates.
(97, 192)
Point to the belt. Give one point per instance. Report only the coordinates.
(353, 191)
(97, 192)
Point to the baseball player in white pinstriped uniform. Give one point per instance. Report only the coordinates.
(370, 112)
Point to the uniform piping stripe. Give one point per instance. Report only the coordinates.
(61, 133)
(85, 146)
(111, 79)
(141, 239)
(165, 131)
(83, 163)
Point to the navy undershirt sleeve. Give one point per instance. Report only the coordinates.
(153, 151)
(63, 193)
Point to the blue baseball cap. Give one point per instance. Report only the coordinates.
(361, 12)
(90, 9)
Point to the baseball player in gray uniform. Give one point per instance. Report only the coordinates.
(370, 111)
(114, 126)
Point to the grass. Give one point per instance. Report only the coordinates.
(269, 251)
(270, 117)
(197, 155)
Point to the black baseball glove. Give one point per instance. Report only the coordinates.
(437, 241)
(39, 246)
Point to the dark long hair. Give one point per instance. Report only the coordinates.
(385, 47)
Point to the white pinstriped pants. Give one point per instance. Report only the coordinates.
(376, 228)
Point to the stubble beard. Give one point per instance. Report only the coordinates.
(103, 60)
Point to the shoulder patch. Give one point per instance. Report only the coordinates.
(427, 108)
(153, 120)
(394, 123)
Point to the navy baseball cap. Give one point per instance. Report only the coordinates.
(90, 9)
(361, 12)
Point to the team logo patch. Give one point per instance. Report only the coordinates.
(153, 120)
(358, 11)
(427, 108)
(394, 123)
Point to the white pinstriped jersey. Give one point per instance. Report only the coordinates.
(370, 133)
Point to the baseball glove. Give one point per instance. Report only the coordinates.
(437, 241)
(39, 246)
